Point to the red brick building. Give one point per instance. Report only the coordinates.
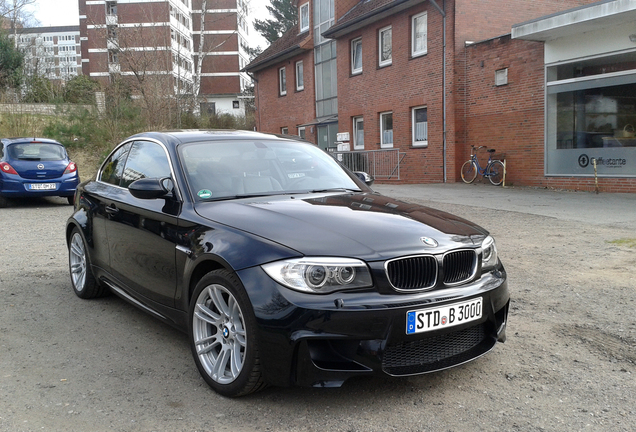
(412, 80)
(567, 102)
(160, 41)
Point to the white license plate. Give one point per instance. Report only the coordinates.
(42, 186)
(419, 321)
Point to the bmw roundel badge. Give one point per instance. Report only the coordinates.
(429, 241)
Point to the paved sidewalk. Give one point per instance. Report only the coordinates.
(600, 209)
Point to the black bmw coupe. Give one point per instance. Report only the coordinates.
(283, 267)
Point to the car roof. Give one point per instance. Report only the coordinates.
(176, 137)
(25, 140)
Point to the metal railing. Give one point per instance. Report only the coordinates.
(380, 164)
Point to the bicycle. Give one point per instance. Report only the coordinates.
(494, 169)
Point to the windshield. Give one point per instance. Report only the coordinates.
(37, 152)
(229, 169)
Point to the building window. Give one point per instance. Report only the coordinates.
(501, 77)
(358, 133)
(591, 116)
(304, 17)
(111, 8)
(325, 68)
(420, 127)
(418, 34)
(235, 104)
(356, 56)
(282, 82)
(386, 129)
(385, 46)
(302, 133)
(284, 131)
(300, 83)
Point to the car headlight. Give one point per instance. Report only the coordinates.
(320, 275)
(488, 253)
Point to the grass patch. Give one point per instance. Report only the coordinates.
(626, 242)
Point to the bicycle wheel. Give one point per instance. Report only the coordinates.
(469, 171)
(495, 172)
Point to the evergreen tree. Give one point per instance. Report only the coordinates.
(11, 61)
(285, 17)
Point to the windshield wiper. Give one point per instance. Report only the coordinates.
(335, 190)
(245, 195)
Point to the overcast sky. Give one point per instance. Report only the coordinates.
(65, 12)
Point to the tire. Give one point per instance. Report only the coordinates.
(469, 171)
(3, 202)
(71, 200)
(223, 336)
(84, 283)
(496, 172)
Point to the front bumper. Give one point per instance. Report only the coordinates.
(322, 340)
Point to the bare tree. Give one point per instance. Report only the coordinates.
(17, 13)
(206, 47)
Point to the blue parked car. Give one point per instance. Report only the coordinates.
(35, 167)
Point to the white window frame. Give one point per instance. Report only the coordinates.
(284, 131)
(424, 50)
(304, 8)
(300, 84)
(356, 144)
(381, 33)
(354, 43)
(302, 129)
(282, 81)
(383, 143)
(416, 143)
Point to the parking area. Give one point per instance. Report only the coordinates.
(568, 363)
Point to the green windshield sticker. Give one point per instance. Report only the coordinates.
(204, 194)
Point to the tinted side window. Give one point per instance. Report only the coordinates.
(146, 160)
(114, 166)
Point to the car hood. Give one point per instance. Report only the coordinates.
(366, 226)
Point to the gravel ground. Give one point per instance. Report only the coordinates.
(68, 364)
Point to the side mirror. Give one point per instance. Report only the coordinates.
(150, 188)
(366, 178)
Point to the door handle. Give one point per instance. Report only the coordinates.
(111, 209)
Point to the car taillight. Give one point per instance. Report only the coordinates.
(7, 169)
(70, 168)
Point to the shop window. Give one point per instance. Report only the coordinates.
(591, 116)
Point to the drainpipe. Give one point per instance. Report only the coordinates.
(443, 13)
(256, 94)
